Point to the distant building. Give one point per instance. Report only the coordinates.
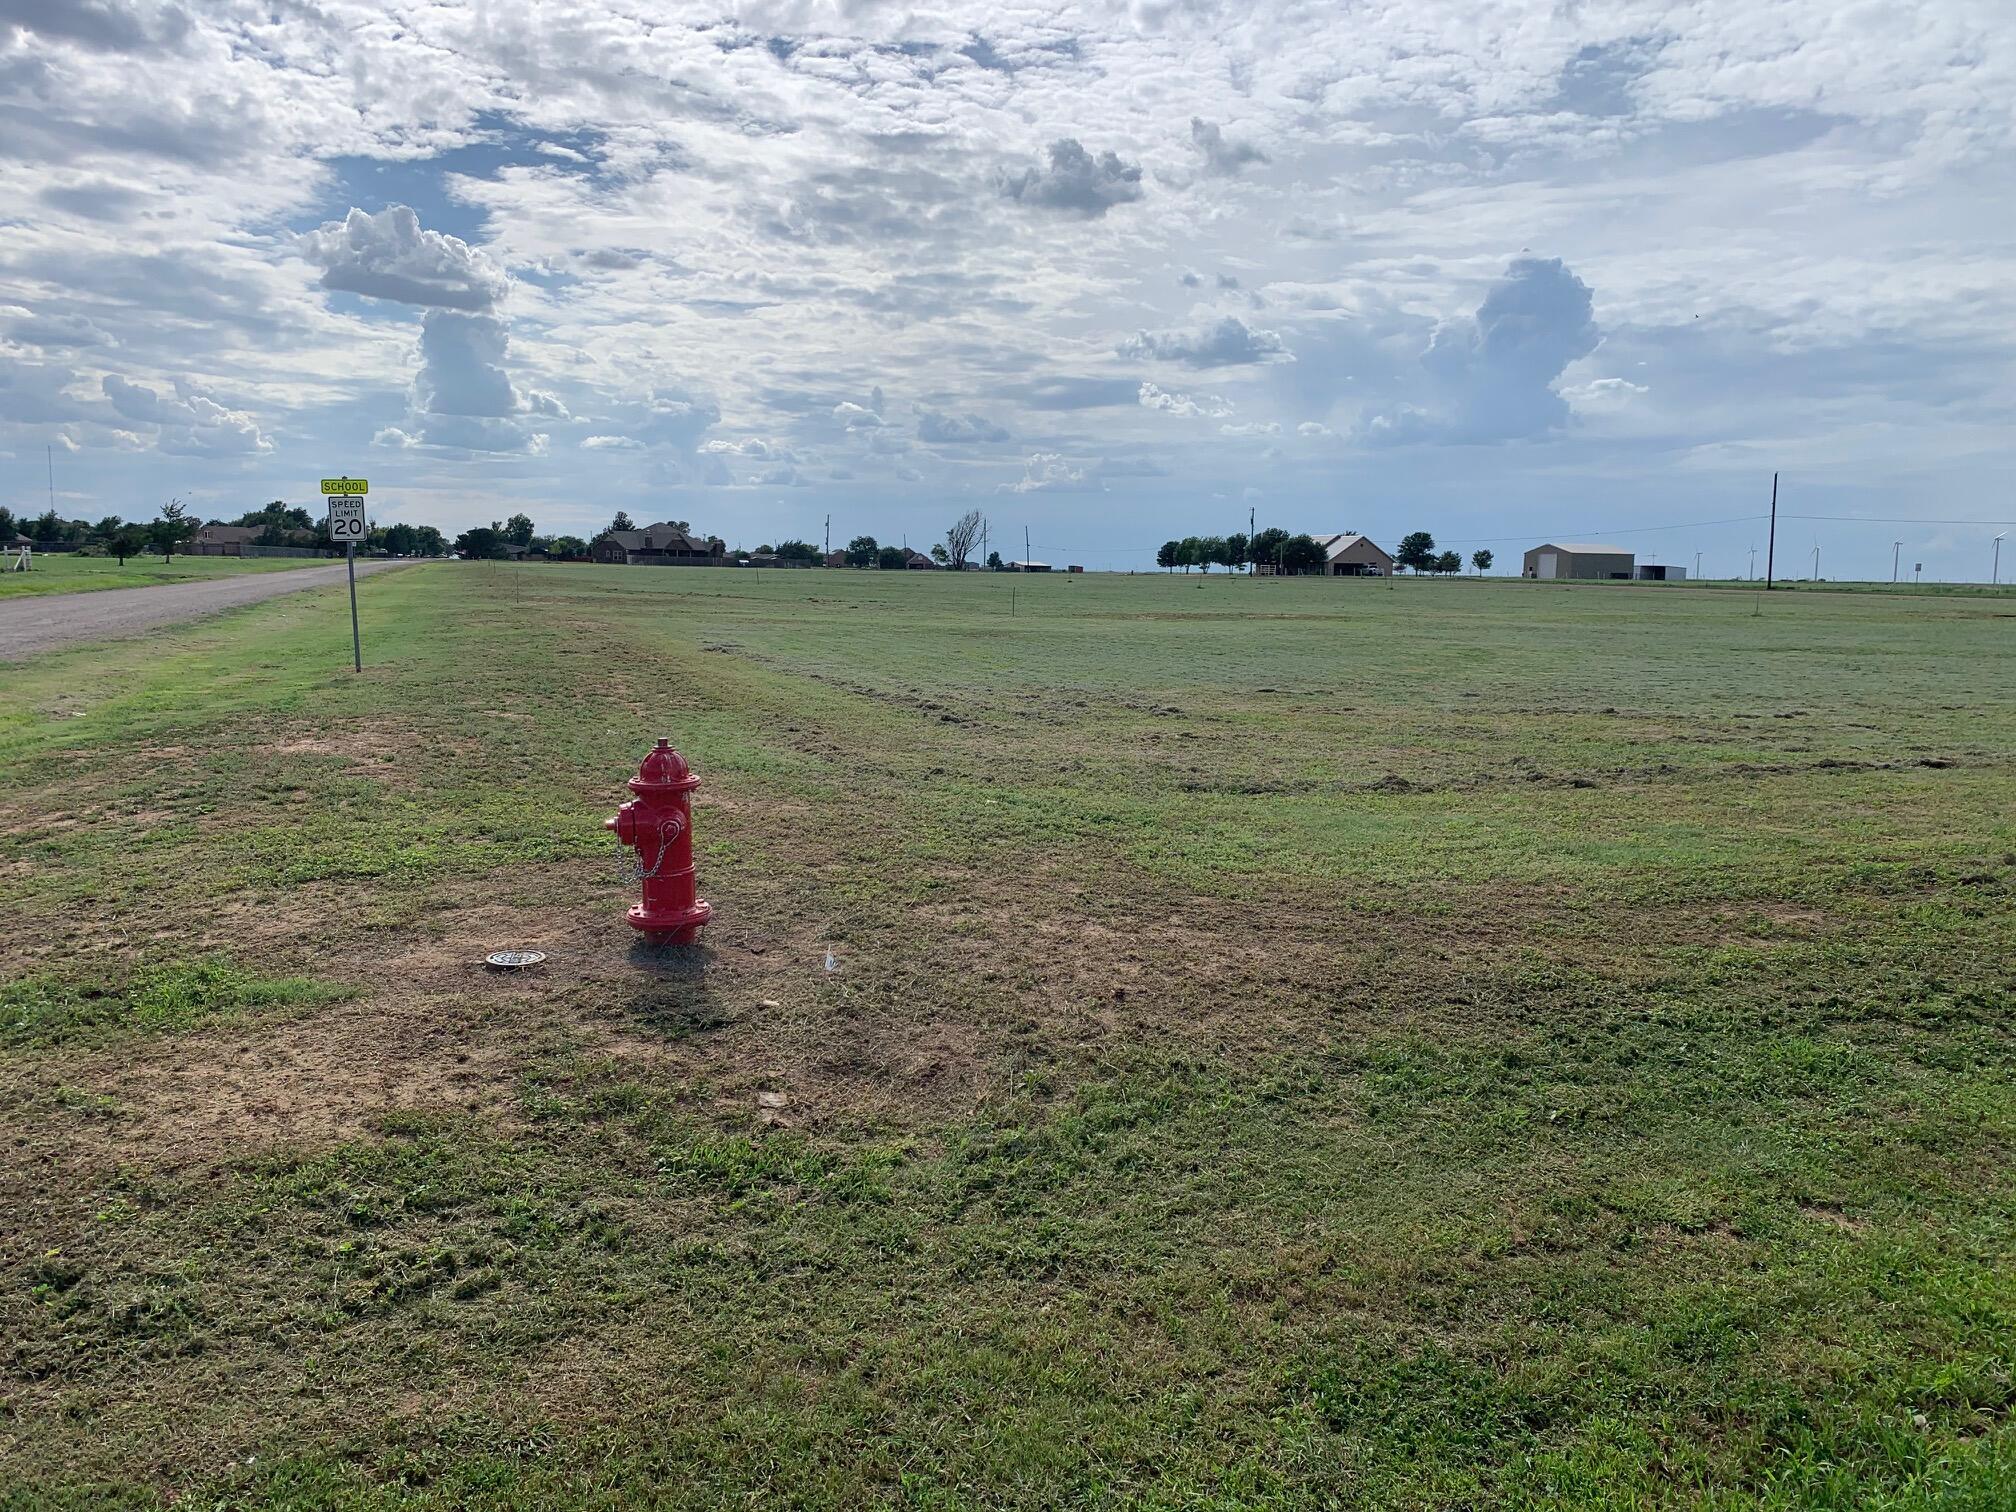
(836, 559)
(1074, 569)
(1653, 572)
(661, 545)
(1579, 559)
(1350, 555)
(1025, 566)
(1346, 554)
(222, 540)
(918, 561)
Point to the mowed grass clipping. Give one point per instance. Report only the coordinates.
(1165, 1043)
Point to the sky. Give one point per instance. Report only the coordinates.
(1109, 273)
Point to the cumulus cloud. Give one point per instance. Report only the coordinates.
(389, 256)
(189, 423)
(1229, 342)
(956, 430)
(1251, 428)
(1075, 181)
(612, 443)
(858, 417)
(750, 448)
(1315, 431)
(1221, 155)
(1491, 376)
(1187, 406)
(1050, 472)
(462, 396)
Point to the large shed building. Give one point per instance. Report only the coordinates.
(1579, 559)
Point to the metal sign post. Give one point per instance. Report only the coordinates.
(347, 524)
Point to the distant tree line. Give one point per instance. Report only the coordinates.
(1283, 552)
(278, 523)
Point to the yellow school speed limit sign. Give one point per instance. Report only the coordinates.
(345, 486)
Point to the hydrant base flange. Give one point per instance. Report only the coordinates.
(679, 926)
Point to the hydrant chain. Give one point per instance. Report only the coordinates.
(657, 825)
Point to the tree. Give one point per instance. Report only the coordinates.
(127, 540)
(518, 530)
(1481, 560)
(567, 548)
(941, 554)
(861, 551)
(429, 542)
(1300, 553)
(481, 544)
(797, 551)
(1188, 552)
(1266, 547)
(890, 558)
(993, 561)
(1166, 556)
(621, 522)
(1449, 561)
(278, 516)
(8, 524)
(963, 536)
(1210, 552)
(1235, 550)
(1417, 552)
(172, 528)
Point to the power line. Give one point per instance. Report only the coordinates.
(1889, 520)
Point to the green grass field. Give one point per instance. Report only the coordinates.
(1163, 1043)
(66, 572)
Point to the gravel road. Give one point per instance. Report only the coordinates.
(44, 622)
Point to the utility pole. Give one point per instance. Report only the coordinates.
(49, 456)
(1771, 542)
(1751, 575)
(1251, 565)
(829, 535)
(1895, 548)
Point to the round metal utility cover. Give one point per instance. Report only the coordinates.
(514, 960)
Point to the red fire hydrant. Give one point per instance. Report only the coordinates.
(658, 823)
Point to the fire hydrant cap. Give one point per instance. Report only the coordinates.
(662, 770)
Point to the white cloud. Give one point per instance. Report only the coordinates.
(389, 256)
(1228, 342)
(957, 430)
(1222, 155)
(190, 423)
(1076, 181)
(1188, 406)
(1491, 376)
(1049, 472)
